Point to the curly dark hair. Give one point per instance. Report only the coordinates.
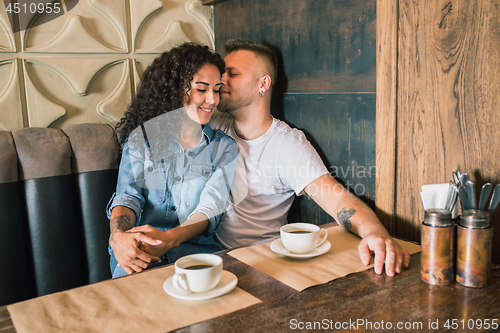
(165, 85)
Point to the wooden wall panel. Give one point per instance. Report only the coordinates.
(387, 52)
(326, 45)
(327, 79)
(447, 101)
(343, 134)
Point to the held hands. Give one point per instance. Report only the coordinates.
(385, 248)
(166, 237)
(126, 247)
(146, 243)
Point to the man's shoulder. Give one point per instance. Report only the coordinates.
(290, 142)
(288, 133)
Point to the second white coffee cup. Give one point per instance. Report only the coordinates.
(302, 237)
(197, 273)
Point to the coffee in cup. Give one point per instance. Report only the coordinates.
(199, 266)
(197, 273)
(302, 237)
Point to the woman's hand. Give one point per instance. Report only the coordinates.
(167, 237)
(193, 227)
(126, 247)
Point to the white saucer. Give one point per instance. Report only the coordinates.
(277, 246)
(227, 283)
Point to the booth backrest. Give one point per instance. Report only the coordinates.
(54, 187)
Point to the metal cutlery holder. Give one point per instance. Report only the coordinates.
(465, 245)
(437, 261)
(474, 241)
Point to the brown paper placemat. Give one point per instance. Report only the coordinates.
(135, 303)
(342, 259)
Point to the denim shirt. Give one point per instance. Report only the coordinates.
(166, 189)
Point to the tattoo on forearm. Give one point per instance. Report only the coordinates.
(122, 222)
(343, 217)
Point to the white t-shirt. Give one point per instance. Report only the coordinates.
(276, 166)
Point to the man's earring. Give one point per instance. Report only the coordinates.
(261, 94)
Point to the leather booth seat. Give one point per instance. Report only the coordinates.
(54, 187)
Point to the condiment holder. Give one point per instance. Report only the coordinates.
(471, 239)
(438, 248)
(474, 241)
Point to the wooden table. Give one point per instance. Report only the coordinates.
(352, 303)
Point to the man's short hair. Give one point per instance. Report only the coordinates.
(259, 50)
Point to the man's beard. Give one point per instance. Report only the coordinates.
(226, 105)
(231, 105)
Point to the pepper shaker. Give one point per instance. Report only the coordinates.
(437, 260)
(474, 240)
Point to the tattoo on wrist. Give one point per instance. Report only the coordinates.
(343, 217)
(121, 222)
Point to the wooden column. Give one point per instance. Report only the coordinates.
(447, 94)
(387, 52)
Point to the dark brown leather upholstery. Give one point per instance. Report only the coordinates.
(8, 171)
(42, 152)
(54, 187)
(94, 164)
(84, 139)
(16, 273)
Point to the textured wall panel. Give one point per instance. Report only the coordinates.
(84, 66)
(58, 96)
(11, 116)
(43, 111)
(74, 33)
(140, 66)
(159, 25)
(113, 106)
(92, 27)
(7, 42)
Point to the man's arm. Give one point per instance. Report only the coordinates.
(355, 216)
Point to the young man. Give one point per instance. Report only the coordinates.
(280, 163)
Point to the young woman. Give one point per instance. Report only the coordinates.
(175, 171)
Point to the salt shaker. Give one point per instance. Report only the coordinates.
(437, 260)
(474, 240)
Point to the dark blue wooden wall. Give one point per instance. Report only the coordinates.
(327, 79)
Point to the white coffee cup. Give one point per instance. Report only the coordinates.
(302, 237)
(197, 273)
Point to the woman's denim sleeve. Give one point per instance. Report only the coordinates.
(128, 188)
(214, 196)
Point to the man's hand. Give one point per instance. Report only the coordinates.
(354, 215)
(126, 247)
(385, 249)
